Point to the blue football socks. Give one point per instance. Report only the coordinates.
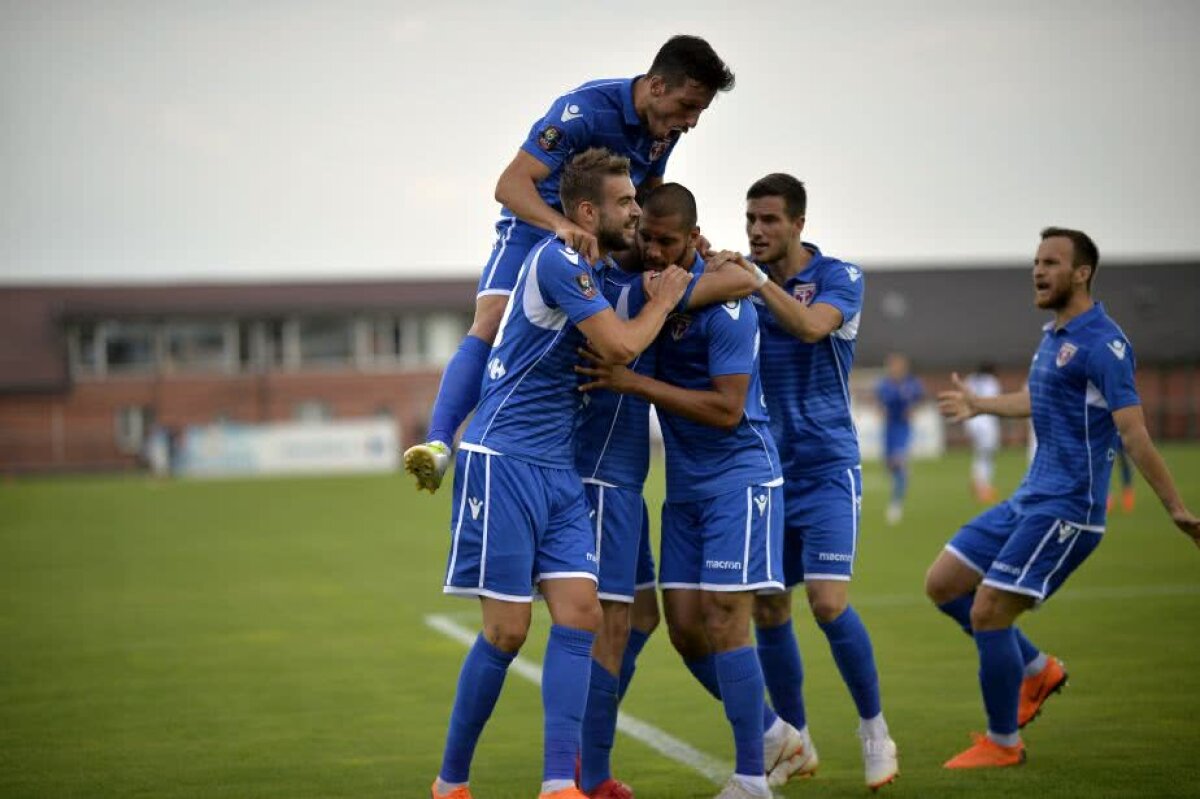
(783, 672)
(741, 679)
(479, 684)
(566, 674)
(459, 391)
(633, 648)
(599, 727)
(1000, 674)
(851, 647)
(959, 609)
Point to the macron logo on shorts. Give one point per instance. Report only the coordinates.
(761, 502)
(476, 505)
(723, 565)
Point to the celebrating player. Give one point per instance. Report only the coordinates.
(809, 314)
(613, 458)
(519, 513)
(1082, 397)
(640, 118)
(720, 524)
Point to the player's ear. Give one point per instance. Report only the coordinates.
(694, 236)
(657, 84)
(799, 223)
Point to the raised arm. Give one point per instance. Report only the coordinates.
(618, 341)
(517, 191)
(961, 403)
(1131, 424)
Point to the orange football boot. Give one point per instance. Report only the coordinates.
(461, 792)
(1127, 499)
(1037, 689)
(564, 793)
(986, 753)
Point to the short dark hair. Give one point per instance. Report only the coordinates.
(583, 177)
(1086, 251)
(684, 57)
(670, 199)
(781, 184)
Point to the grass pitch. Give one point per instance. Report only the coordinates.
(266, 639)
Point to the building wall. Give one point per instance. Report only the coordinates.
(77, 431)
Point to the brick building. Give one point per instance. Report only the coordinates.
(85, 371)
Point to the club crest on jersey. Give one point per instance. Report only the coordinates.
(1065, 353)
(549, 138)
(659, 149)
(678, 324)
(804, 292)
(586, 286)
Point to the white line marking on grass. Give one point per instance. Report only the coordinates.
(665, 744)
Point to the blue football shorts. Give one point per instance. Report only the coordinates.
(621, 528)
(514, 524)
(1031, 554)
(514, 240)
(730, 542)
(821, 517)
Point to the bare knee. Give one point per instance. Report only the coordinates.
(644, 617)
(507, 635)
(938, 589)
(827, 599)
(727, 620)
(772, 610)
(949, 578)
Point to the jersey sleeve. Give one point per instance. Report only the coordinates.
(1110, 369)
(565, 129)
(732, 339)
(569, 284)
(841, 286)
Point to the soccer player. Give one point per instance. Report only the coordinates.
(721, 521)
(519, 515)
(809, 314)
(898, 392)
(613, 457)
(984, 432)
(1125, 470)
(1013, 557)
(641, 118)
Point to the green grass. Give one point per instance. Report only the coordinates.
(265, 639)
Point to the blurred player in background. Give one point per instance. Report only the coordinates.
(898, 392)
(640, 118)
(519, 515)
(1125, 470)
(1013, 557)
(721, 523)
(809, 313)
(984, 432)
(613, 457)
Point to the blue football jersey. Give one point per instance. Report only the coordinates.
(694, 347)
(1081, 373)
(528, 400)
(808, 385)
(898, 398)
(612, 443)
(599, 113)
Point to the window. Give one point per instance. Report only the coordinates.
(326, 341)
(133, 424)
(130, 347)
(200, 346)
(83, 349)
(312, 411)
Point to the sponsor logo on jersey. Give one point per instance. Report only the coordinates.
(1065, 531)
(570, 255)
(733, 308)
(570, 112)
(678, 324)
(549, 138)
(1117, 347)
(495, 369)
(853, 272)
(1065, 353)
(659, 149)
(804, 292)
(586, 286)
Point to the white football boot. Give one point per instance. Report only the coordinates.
(789, 755)
(881, 763)
(737, 789)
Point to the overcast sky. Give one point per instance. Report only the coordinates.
(219, 140)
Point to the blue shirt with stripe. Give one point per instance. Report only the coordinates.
(808, 385)
(693, 348)
(1081, 373)
(612, 443)
(897, 398)
(529, 399)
